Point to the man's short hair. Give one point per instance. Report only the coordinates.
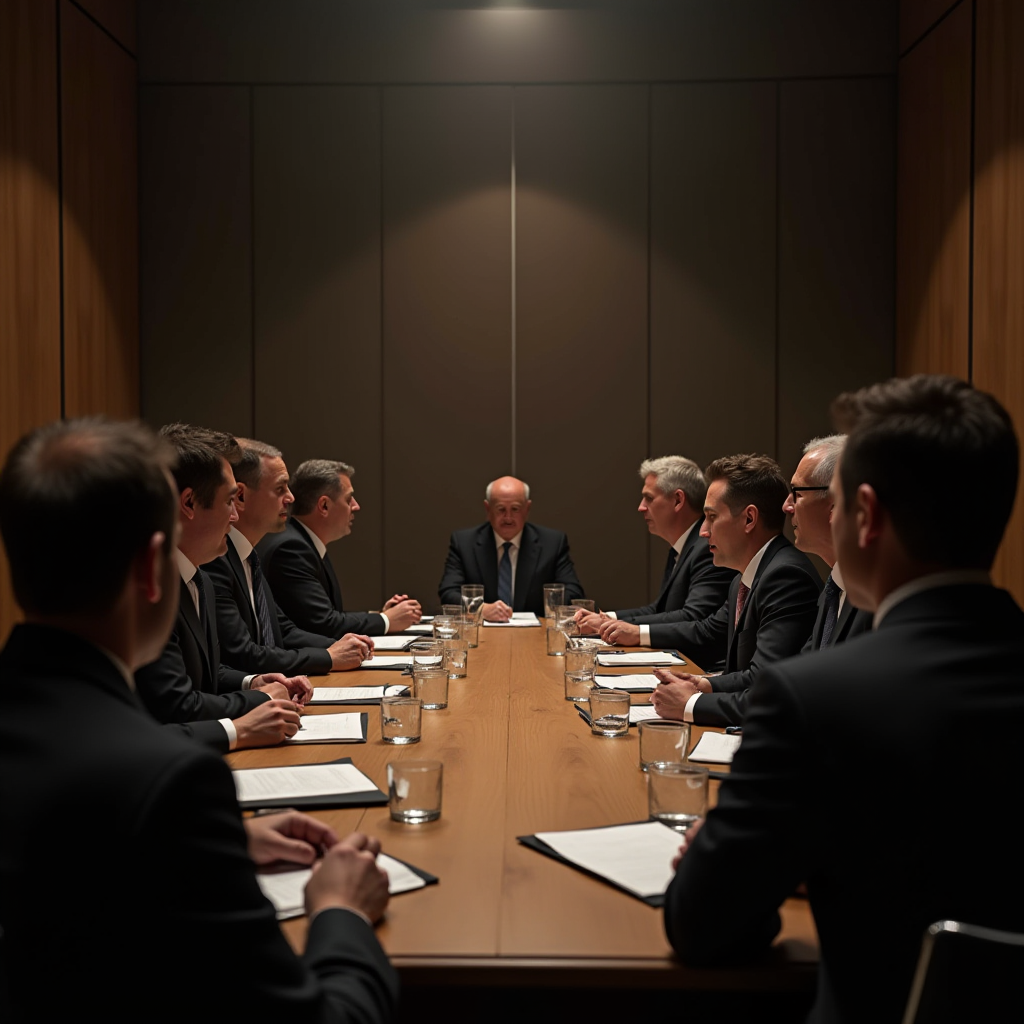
(526, 490)
(752, 480)
(79, 500)
(200, 458)
(314, 478)
(248, 463)
(914, 440)
(674, 473)
(831, 448)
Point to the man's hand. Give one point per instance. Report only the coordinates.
(297, 688)
(268, 724)
(403, 614)
(348, 876)
(290, 836)
(498, 611)
(270, 685)
(625, 634)
(688, 837)
(591, 622)
(673, 692)
(350, 652)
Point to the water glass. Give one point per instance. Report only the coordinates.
(414, 791)
(473, 600)
(454, 610)
(578, 685)
(565, 620)
(663, 741)
(431, 687)
(400, 719)
(427, 654)
(609, 712)
(456, 658)
(583, 602)
(580, 655)
(556, 643)
(469, 630)
(554, 595)
(677, 794)
(446, 627)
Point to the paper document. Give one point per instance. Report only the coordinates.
(518, 619)
(387, 661)
(285, 889)
(421, 627)
(353, 694)
(631, 658)
(304, 780)
(716, 748)
(641, 713)
(640, 683)
(636, 857)
(391, 643)
(343, 728)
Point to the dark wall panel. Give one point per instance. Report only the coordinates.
(447, 315)
(196, 252)
(837, 177)
(317, 298)
(581, 313)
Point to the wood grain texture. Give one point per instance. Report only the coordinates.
(29, 234)
(933, 201)
(317, 291)
(118, 17)
(998, 363)
(100, 207)
(918, 16)
(581, 322)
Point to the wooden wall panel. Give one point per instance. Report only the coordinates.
(933, 201)
(196, 252)
(100, 208)
(447, 316)
(317, 298)
(999, 239)
(581, 314)
(118, 17)
(918, 16)
(837, 178)
(29, 234)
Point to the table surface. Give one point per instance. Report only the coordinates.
(518, 759)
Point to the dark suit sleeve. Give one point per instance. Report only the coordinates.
(344, 975)
(708, 588)
(704, 640)
(211, 734)
(449, 590)
(169, 694)
(717, 909)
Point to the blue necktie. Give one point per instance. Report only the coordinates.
(832, 593)
(505, 574)
(260, 599)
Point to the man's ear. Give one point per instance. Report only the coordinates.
(149, 567)
(678, 501)
(871, 516)
(323, 504)
(526, 508)
(751, 515)
(487, 508)
(240, 496)
(187, 503)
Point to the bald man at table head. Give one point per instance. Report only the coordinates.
(509, 556)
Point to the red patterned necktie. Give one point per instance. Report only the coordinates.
(741, 600)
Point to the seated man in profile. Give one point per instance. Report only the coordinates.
(771, 606)
(98, 798)
(918, 706)
(295, 561)
(692, 587)
(255, 635)
(510, 557)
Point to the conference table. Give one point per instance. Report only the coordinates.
(503, 919)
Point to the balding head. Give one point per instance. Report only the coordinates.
(507, 502)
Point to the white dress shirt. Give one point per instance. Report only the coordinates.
(645, 630)
(513, 554)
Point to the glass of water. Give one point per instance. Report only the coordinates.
(473, 600)
(414, 791)
(609, 712)
(677, 794)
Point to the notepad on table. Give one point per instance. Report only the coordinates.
(332, 784)
(340, 728)
(354, 694)
(393, 643)
(716, 748)
(621, 659)
(426, 628)
(644, 683)
(518, 619)
(388, 661)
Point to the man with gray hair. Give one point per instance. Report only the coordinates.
(296, 565)
(810, 505)
(692, 587)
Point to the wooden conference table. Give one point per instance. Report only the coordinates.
(518, 759)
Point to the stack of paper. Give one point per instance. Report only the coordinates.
(630, 683)
(393, 643)
(354, 694)
(622, 659)
(343, 728)
(398, 661)
(335, 784)
(716, 748)
(518, 619)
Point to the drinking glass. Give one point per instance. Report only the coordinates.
(583, 602)
(456, 658)
(469, 630)
(677, 794)
(609, 712)
(554, 595)
(663, 741)
(556, 643)
(454, 610)
(431, 687)
(400, 719)
(578, 685)
(473, 600)
(414, 791)
(427, 654)
(446, 627)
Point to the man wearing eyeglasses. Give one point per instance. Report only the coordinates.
(810, 506)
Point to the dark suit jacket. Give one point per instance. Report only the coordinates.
(543, 558)
(776, 621)
(306, 586)
(851, 622)
(160, 846)
(886, 774)
(695, 589)
(294, 651)
(187, 682)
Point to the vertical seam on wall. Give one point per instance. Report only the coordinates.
(252, 257)
(60, 205)
(970, 207)
(650, 430)
(778, 252)
(380, 254)
(512, 211)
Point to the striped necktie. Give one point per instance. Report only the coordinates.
(741, 600)
(505, 574)
(831, 606)
(260, 600)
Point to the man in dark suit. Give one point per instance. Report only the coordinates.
(255, 636)
(692, 586)
(922, 703)
(295, 561)
(809, 505)
(510, 557)
(152, 817)
(771, 606)
(187, 685)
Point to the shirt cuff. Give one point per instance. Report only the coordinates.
(387, 623)
(350, 910)
(645, 636)
(247, 680)
(229, 728)
(611, 615)
(688, 710)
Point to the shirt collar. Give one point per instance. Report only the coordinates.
(516, 540)
(956, 577)
(747, 579)
(121, 667)
(678, 546)
(185, 567)
(241, 542)
(837, 578)
(320, 546)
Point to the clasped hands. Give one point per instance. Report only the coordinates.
(611, 631)
(674, 691)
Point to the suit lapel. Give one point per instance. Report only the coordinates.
(843, 625)
(684, 556)
(487, 560)
(324, 570)
(526, 563)
(770, 552)
(187, 612)
(236, 567)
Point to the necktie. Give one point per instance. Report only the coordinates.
(832, 593)
(197, 579)
(670, 565)
(260, 599)
(505, 574)
(741, 600)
